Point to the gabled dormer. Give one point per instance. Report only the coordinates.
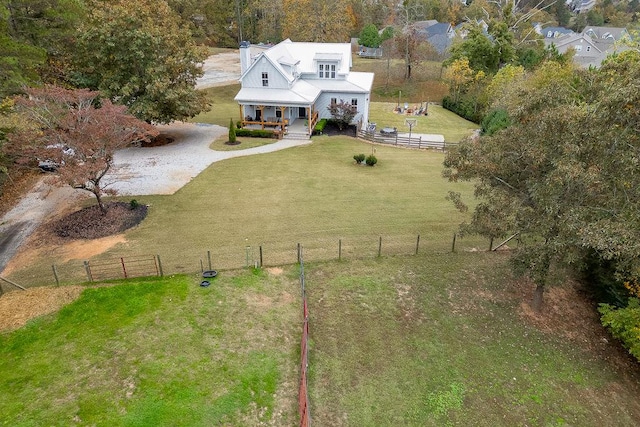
(328, 65)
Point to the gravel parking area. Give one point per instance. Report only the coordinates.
(165, 169)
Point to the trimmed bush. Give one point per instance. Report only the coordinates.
(232, 132)
(320, 126)
(371, 160)
(359, 158)
(255, 133)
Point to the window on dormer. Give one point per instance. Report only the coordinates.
(326, 71)
(265, 79)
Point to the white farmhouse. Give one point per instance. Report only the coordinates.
(289, 86)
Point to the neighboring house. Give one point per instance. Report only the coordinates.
(293, 83)
(437, 34)
(592, 46)
(554, 32)
(582, 6)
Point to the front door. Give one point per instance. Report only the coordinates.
(258, 115)
(302, 113)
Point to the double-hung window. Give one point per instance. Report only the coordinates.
(265, 79)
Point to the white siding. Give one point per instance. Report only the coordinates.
(322, 104)
(254, 77)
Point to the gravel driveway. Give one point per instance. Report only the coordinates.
(166, 169)
(136, 171)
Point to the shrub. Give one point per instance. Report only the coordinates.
(133, 204)
(371, 160)
(255, 133)
(359, 158)
(239, 124)
(232, 132)
(320, 126)
(624, 324)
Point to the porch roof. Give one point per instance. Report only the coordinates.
(301, 93)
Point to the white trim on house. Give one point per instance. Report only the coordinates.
(295, 82)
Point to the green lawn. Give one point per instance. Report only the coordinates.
(437, 340)
(313, 195)
(161, 352)
(438, 121)
(427, 340)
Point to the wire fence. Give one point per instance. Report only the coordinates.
(303, 394)
(245, 253)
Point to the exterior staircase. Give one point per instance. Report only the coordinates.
(296, 135)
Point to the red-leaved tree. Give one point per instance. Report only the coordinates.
(78, 132)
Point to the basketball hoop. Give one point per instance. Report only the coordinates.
(411, 123)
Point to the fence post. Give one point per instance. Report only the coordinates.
(159, 266)
(396, 138)
(380, 246)
(417, 244)
(260, 256)
(339, 249)
(88, 270)
(124, 269)
(419, 142)
(299, 254)
(490, 244)
(209, 258)
(453, 245)
(55, 274)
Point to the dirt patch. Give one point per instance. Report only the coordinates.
(265, 302)
(18, 307)
(569, 312)
(276, 271)
(91, 223)
(67, 250)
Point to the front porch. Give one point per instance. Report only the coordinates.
(280, 119)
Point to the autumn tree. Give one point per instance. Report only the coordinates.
(564, 174)
(139, 56)
(343, 113)
(309, 21)
(78, 131)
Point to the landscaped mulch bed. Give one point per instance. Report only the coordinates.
(90, 223)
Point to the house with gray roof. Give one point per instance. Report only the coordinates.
(438, 34)
(591, 46)
(293, 84)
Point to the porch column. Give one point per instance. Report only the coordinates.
(309, 120)
(283, 118)
(261, 108)
(241, 114)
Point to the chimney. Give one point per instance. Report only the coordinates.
(245, 56)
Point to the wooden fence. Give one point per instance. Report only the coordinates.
(405, 141)
(303, 394)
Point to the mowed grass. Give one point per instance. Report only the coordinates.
(437, 340)
(159, 352)
(439, 121)
(223, 107)
(313, 195)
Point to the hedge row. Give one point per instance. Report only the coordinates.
(256, 133)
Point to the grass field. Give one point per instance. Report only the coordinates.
(438, 121)
(438, 340)
(159, 352)
(313, 195)
(427, 340)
